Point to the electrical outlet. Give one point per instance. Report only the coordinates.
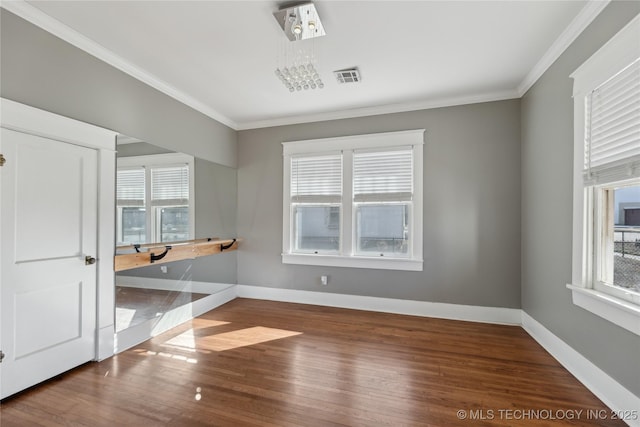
(164, 269)
(324, 280)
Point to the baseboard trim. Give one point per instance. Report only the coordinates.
(611, 392)
(105, 344)
(137, 334)
(499, 315)
(171, 285)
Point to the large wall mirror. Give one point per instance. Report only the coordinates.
(164, 196)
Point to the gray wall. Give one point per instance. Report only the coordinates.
(547, 161)
(478, 169)
(215, 216)
(43, 71)
(471, 208)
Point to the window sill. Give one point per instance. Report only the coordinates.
(354, 262)
(622, 313)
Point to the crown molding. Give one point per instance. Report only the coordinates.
(62, 31)
(66, 33)
(568, 36)
(382, 109)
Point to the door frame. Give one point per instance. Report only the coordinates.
(30, 120)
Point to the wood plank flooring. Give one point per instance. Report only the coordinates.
(261, 363)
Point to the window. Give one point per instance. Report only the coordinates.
(354, 201)
(155, 199)
(606, 254)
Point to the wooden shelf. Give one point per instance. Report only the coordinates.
(135, 256)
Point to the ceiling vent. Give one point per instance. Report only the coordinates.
(351, 75)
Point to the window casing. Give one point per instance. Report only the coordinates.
(606, 265)
(155, 200)
(354, 201)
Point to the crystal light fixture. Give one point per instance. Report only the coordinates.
(297, 62)
(299, 77)
(300, 22)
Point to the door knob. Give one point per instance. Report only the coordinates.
(88, 260)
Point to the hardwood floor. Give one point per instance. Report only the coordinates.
(260, 363)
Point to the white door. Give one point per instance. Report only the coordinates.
(48, 225)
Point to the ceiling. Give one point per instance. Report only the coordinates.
(219, 57)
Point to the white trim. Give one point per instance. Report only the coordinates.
(150, 161)
(155, 160)
(413, 139)
(402, 138)
(588, 13)
(499, 315)
(62, 31)
(34, 121)
(615, 310)
(612, 393)
(607, 389)
(137, 334)
(380, 263)
(383, 109)
(106, 342)
(105, 292)
(170, 285)
(617, 53)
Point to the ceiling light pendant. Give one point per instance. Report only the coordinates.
(297, 64)
(300, 22)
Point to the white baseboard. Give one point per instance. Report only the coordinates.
(170, 285)
(500, 315)
(612, 393)
(105, 345)
(137, 334)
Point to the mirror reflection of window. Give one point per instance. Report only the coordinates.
(156, 194)
(130, 191)
(155, 198)
(133, 225)
(174, 223)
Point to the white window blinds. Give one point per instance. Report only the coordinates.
(170, 185)
(130, 187)
(383, 175)
(612, 133)
(316, 179)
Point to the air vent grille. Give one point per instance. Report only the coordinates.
(351, 75)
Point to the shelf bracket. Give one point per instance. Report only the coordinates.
(225, 247)
(155, 257)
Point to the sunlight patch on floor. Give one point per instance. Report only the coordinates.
(187, 340)
(243, 338)
(166, 355)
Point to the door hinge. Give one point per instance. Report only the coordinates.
(2, 160)
(1, 356)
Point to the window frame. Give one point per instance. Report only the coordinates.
(347, 145)
(149, 162)
(611, 304)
